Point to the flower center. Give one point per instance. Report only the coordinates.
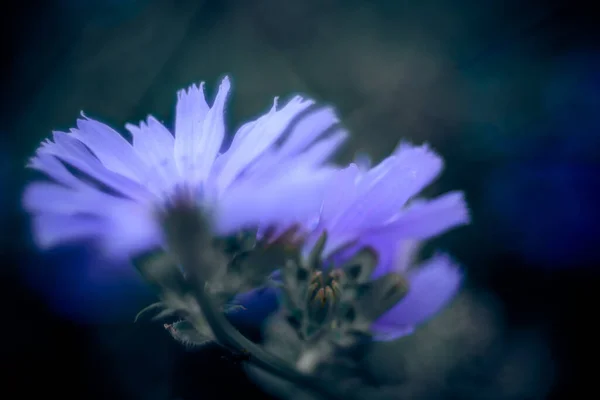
(323, 297)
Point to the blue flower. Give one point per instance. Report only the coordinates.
(109, 190)
(375, 207)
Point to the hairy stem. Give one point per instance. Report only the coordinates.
(230, 337)
(189, 239)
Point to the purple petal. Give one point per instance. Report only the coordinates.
(50, 165)
(290, 199)
(387, 249)
(250, 129)
(155, 146)
(432, 286)
(65, 145)
(420, 221)
(50, 230)
(307, 130)
(190, 112)
(152, 137)
(253, 138)
(209, 140)
(322, 150)
(113, 151)
(385, 189)
(73, 152)
(427, 219)
(300, 140)
(338, 195)
(199, 131)
(121, 227)
(406, 255)
(130, 230)
(363, 161)
(44, 197)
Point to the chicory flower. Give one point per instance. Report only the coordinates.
(110, 190)
(376, 208)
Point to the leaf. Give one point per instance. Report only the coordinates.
(293, 290)
(314, 258)
(154, 306)
(360, 267)
(349, 338)
(407, 254)
(232, 308)
(159, 269)
(381, 294)
(281, 337)
(186, 334)
(237, 244)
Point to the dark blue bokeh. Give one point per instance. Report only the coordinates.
(548, 211)
(80, 286)
(544, 201)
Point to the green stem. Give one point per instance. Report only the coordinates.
(190, 240)
(230, 337)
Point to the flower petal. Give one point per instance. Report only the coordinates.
(52, 229)
(121, 227)
(210, 139)
(383, 190)
(426, 219)
(253, 138)
(339, 194)
(190, 113)
(71, 151)
(432, 286)
(307, 130)
(130, 230)
(322, 150)
(66, 145)
(301, 139)
(199, 130)
(113, 151)
(289, 199)
(363, 161)
(155, 146)
(44, 197)
(50, 165)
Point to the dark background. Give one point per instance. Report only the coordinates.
(507, 91)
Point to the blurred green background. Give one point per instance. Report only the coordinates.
(506, 91)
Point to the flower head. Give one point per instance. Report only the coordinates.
(109, 190)
(375, 207)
